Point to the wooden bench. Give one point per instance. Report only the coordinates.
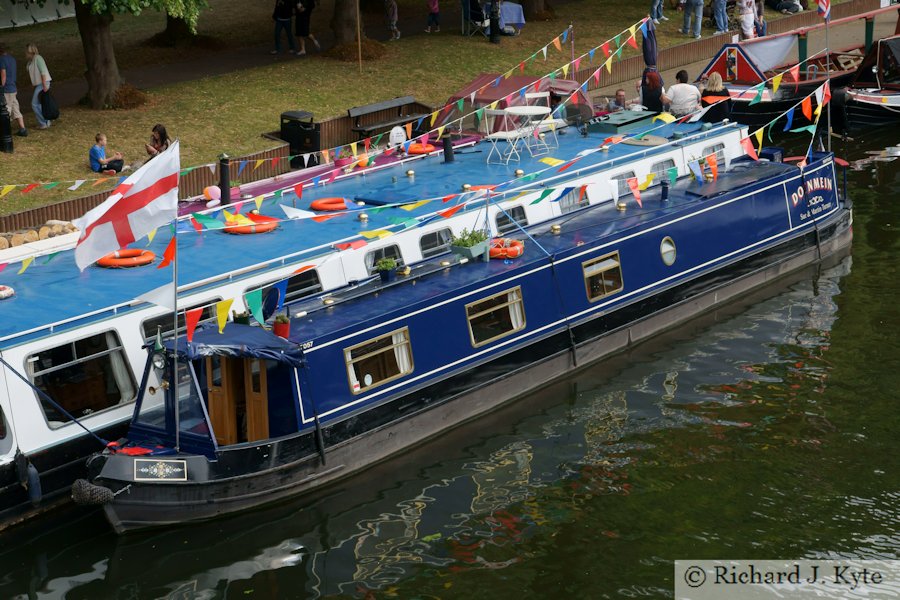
(384, 121)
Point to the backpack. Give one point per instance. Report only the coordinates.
(49, 107)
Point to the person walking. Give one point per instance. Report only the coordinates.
(692, 8)
(434, 17)
(8, 84)
(656, 11)
(304, 14)
(720, 16)
(390, 12)
(283, 14)
(40, 79)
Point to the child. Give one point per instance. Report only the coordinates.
(434, 17)
(390, 9)
(99, 162)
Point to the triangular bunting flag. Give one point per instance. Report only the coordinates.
(776, 82)
(222, 308)
(749, 149)
(713, 165)
(162, 296)
(191, 318)
(633, 185)
(25, 264)
(168, 255)
(790, 120)
(72, 188)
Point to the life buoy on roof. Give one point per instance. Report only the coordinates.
(420, 148)
(261, 224)
(6, 292)
(329, 204)
(506, 248)
(126, 258)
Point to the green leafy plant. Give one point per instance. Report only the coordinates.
(386, 264)
(467, 239)
(282, 318)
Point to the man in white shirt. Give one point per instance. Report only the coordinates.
(683, 98)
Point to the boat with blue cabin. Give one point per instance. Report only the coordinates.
(72, 343)
(239, 418)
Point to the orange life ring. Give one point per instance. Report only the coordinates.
(475, 188)
(506, 248)
(126, 257)
(419, 148)
(6, 292)
(329, 204)
(260, 226)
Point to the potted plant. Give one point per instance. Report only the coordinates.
(387, 269)
(344, 157)
(282, 326)
(242, 318)
(470, 244)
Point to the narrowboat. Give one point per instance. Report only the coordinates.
(872, 98)
(71, 343)
(232, 420)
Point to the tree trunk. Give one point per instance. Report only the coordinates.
(537, 9)
(178, 33)
(343, 22)
(102, 72)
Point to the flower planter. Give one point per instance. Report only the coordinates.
(282, 329)
(388, 276)
(343, 162)
(242, 319)
(477, 252)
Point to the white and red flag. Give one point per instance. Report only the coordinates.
(147, 199)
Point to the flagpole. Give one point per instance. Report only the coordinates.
(177, 390)
(828, 70)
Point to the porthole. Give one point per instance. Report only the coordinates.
(667, 251)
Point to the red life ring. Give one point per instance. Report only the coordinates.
(331, 204)
(506, 248)
(419, 148)
(475, 188)
(261, 224)
(6, 292)
(126, 258)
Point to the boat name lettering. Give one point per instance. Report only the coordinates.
(159, 470)
(816, 205)
(815, 184)
(306, 345)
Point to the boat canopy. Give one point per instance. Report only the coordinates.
(881, 67)
(239, 341)
(747, 62)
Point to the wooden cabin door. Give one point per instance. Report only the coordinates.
(255, 391)
(225, 383)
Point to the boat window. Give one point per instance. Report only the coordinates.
(667, 251)
(602, 276)
(5, 438)
(495, 317)
(378, 361)
(622, 182)
(506, 224)
(299, 286)
(575, 199)
(392, 251)
(718, 150)
(84, 376)
(164, 322)
(436, 242)
(191, 418)
(660, 170)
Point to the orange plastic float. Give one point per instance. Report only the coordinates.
(506, 248)
(126, 258)
(261, 224)
(419, 148)
(329, 204)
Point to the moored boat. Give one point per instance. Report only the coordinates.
(872, 98)
(369, 371)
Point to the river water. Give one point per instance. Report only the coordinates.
(767, 429)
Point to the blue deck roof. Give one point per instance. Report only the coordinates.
(54, 291)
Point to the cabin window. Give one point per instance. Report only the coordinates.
(495, 317)
(378, 361)
(667, 251)
(602, 276)
(718, 150)
(622, 182)
(512, 222)
(84, 376)
(660, 170)
(436, 242)
(575, 199)
(5, 438)
(164, 322)
(298, 286)
(392, 251)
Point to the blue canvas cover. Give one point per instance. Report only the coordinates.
(239, 341)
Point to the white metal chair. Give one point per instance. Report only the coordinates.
(546, 123)
(504, 140)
